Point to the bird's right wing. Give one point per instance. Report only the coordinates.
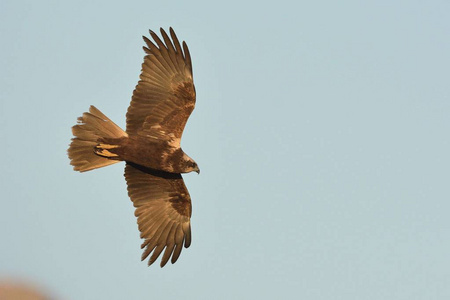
(163, 208)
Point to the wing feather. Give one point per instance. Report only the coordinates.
(165, 50)
(155, 255)
(165, 93)
(187, 57)
(163, 211)
(187, 231)
(178, 49)
(179, 236)
(171, 51)
(170, 242)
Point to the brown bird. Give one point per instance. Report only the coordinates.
(160, 107)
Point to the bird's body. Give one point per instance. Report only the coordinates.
(160, 107)
(147, 152)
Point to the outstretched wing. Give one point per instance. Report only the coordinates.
(165, 95)
(163, 208)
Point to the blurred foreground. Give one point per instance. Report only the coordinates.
(16, 290)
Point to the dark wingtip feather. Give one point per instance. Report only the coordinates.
(176, 252)
(167, 40)
(146, 50)
(176, 42)
(163, 33)
(164, 261)
(146, 40)
(188, 239)
(187, 56)
(172, 32)
(155, 254)
(157, 40)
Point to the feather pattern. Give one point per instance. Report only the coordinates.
(165, 94)
(163, 210)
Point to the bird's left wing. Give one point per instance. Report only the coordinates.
(163, 208)
(165, 95)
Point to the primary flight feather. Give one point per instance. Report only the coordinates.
(160, 106)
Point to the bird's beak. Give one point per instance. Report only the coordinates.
(197, 170)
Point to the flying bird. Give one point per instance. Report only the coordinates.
(160, 106)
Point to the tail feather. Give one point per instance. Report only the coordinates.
(92, 127)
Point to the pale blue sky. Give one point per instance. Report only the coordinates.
(321, 129)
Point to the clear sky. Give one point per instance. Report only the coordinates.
(321, 129)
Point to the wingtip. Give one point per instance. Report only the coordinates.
(150, 262)
(146, 50)
(174, 259)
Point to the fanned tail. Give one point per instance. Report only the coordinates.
(92, 128)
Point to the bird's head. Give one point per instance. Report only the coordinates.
(191, 166)
(188, 164)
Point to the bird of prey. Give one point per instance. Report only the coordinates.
(160, 107)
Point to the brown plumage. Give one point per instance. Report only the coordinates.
(160, 107)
